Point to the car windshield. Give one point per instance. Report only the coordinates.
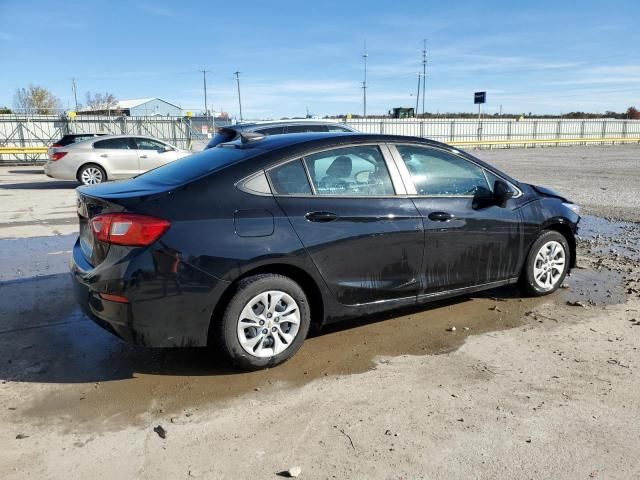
(196, 165)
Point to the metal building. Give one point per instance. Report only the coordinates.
(141, 107)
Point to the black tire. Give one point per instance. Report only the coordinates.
(527, 279)
(227, 336)
(99, 172)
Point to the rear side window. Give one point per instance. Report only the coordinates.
(114, 143)
(337, 128)
(435, 172)
(270, 131)
(358, 171)
(148, 144)
(306, 128)
(290, 179)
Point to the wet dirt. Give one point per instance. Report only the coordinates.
(94, 381)
(102, 383)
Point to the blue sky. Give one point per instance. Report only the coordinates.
(541, 57)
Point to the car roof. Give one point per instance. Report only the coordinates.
(294, 144)
(100, 138)
(276, 142)
(277, 123)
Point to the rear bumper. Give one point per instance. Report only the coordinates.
(59, 170)
(163, 310)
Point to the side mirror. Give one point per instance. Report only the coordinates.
(167, 148)
(502, 192)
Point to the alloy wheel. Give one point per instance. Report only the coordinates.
(91, 176)
(268, 324)
(549, 265)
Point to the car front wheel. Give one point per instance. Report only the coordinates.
(547, 264)
(265, 322)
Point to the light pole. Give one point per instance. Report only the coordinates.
(204, 81)
(417, 96)
(424, 73)
(237, 74)
(75, 94)
(364, 83)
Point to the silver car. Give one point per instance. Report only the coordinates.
(109, 157)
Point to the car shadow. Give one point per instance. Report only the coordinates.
(45, 338)
(58, 184)
(28, 172)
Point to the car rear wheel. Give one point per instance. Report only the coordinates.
(265, 322)
(547, 264)
(92, 175)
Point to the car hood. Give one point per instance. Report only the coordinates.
(547, 192)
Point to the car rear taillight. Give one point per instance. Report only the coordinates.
(57, 156)
(129, 229)
(114, 298)
(56, 145)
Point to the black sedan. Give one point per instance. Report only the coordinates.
(246, 245)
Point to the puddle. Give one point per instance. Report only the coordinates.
(88, 377)
(602, 236)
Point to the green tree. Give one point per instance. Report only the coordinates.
(36, 99)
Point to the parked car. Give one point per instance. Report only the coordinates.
(246, 245)
(109, 157)
(232, 132)
(70, 138)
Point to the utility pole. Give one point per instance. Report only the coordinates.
(204, 82)
(424, 73)
(237, 74)
(415, 114)
(364, 83)
(75, 93)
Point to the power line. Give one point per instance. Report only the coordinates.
(204, 81)
(237, 74)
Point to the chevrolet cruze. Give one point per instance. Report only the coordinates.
(246, 245)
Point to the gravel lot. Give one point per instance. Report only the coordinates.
(536, 388)
(603, 179)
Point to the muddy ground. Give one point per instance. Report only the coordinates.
(524, 388)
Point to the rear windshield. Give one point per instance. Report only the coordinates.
(69, 139)
(197, 165)
(222, 135)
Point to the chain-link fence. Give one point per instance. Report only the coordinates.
(24, 137)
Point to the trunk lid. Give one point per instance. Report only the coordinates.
(88, 207)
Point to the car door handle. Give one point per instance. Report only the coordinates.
(143, 156)
(440, 216)
(104, 155)
(321, 216)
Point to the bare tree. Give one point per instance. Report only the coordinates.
(99, 101)
(36, 99)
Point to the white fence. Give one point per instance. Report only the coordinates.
(502, 130)
(39, 131)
